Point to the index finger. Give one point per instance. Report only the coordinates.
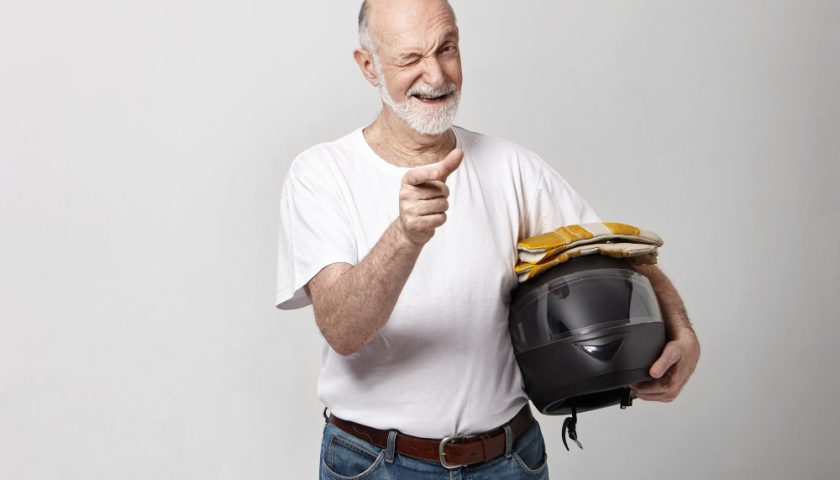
(437, 171)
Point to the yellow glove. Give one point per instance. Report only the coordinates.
(637, 253)
(541, 252)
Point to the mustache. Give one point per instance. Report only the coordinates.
(428, 91)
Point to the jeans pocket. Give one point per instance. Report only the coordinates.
(530, 453)
(537, 468)
(346, 460)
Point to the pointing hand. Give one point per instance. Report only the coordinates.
(423, 198)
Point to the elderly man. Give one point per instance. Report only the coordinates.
(403, 235)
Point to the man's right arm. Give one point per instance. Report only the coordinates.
(352, 303)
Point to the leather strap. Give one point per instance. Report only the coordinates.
(457, 452)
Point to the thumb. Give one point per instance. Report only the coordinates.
(670, 355)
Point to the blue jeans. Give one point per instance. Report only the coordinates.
(345, 457)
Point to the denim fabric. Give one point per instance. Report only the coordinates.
(345, 457)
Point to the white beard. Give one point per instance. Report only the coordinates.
(424, 119)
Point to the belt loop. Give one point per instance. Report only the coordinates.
(326, 418)
(392, 446)
(508, 441)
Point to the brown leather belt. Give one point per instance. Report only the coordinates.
(452, 451)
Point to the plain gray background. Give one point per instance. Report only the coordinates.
(143, 146)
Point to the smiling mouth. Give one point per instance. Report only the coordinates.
(429, 99)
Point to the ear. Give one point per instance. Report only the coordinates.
(365, 61)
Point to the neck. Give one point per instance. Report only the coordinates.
(401, 145)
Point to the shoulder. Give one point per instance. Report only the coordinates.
(324, 157)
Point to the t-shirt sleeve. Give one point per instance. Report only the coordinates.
(314, 231)
(554, 203)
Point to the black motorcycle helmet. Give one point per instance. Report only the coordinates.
(582, 332)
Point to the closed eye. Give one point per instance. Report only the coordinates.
(410, 61)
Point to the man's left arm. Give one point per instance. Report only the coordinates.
(679, 357)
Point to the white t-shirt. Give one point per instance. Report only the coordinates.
(444, 363)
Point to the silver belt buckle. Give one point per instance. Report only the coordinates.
(442, 453)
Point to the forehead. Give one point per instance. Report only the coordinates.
(406, 28)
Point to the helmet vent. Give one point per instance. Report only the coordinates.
(603, 348)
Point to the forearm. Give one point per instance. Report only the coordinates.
(679, 357)
(352, 307)
(359, 303)
(673, 309)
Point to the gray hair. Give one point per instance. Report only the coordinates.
(365, 39)
(364, 34)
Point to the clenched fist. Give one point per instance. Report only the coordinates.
(423, 198)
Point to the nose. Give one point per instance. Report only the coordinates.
(433, 72)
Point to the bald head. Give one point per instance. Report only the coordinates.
(375, 16)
